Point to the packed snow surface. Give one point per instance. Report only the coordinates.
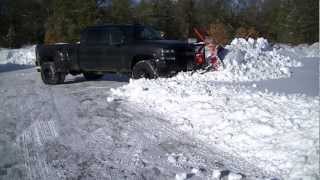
(278, 132)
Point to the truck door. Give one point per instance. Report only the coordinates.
(115, 50)
(92, 51)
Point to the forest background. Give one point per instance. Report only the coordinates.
(25, 22)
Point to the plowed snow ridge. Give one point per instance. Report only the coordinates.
(277, 132)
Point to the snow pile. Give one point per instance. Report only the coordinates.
(300, 51)
(278, 133)
(23, 56)
(252, 60)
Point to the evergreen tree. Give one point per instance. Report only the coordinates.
(308, 21)
(121, 11)
(143, 13)
(26, 18)
(68, 18)
(28, 22)
(10, 37)
(186, 17)
(164, 17)
(297, 21)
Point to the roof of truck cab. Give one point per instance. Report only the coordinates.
(111, 25)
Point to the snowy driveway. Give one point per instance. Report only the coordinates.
(71, 131)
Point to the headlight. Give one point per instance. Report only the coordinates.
(167, 54)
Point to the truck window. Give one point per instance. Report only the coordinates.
(116, 36)
(146, 33)
(97, 36)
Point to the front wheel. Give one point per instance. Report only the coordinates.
(144, 69)
(50, 75)
(91, 76)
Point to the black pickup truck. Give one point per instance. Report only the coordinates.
(136, 50)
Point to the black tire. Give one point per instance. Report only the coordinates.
(191, 66)
(50, 75)
(144, 69)
(91, 76)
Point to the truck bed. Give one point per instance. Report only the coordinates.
(70, 53)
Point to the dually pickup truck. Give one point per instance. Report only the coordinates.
(136, 50)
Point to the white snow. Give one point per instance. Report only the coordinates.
(233, 176)
(277, 132)
(302, 50)
(23, 56)
(216, 174)
(253, 60)
(181, 176)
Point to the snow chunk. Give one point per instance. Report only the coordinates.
(181, 176)
(195, 171)
(233, 176)
(216, 174)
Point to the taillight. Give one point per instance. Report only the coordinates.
(199, 58)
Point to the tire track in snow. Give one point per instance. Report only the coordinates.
(73, 132)
(144, 140)
(33, 138)
(158, 132)
(35, 126)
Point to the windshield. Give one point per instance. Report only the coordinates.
(146, 33)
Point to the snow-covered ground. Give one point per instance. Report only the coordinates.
(277, 131)
(256, 119)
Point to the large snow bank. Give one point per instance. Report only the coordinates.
(253, 60)
(22, 56)
(300, 51)
(277, 132)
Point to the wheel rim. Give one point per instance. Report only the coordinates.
(143, 74)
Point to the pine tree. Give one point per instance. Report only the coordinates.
(68, 18)
(186, 17)
(11, 36)
(297, 21)
(144, 13)
(121, 11)
(164, 17)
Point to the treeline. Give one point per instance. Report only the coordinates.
(48, 21)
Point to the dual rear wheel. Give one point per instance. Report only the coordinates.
(50, 73)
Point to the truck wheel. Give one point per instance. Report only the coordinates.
(190, 66)
(91, 76)
(144, 69)
(49, 74)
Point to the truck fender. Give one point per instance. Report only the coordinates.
(138, 58)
